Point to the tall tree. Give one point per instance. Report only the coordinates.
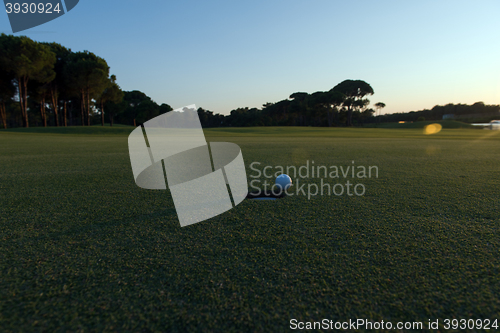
(7, 91)
(354, 91)
(164, 108)
(111, 94)
(299, 106)
(38, 93)
(41, 89)
(58, 85)
(26, 60)
(379, 106)
(88, 75)
(329, 101)
(137, 107)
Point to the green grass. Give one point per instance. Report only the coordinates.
(342, 132)
(447, 124)
(83, 248)
(73, 130)
(395, 130)
(114, 125)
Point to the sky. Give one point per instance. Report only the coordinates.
(221, 55)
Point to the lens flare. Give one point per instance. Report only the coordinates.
(432, 129)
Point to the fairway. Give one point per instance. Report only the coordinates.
(83, 248)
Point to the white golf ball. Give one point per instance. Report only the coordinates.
(283, 182)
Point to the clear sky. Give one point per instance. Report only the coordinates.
(221, 55)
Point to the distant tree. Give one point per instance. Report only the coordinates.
(354, 92)
(26, 60)
(281, 111)
(366, 114)
(299, 107)
(435, 113)
(478, 107)
(379, 106)
(240, 117)
(298, 96)
(204, 116)
(209, 119)
(164, 108)
(329, 101)
(139, 107)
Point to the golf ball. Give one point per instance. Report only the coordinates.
(283, 182)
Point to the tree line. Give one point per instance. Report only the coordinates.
(477, 112)
(331, 109)
(46, 84)
(346, 104)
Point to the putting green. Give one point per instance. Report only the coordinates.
(83, 248)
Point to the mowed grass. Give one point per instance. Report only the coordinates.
(83, 248)
(447, 124)
(370, 131)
